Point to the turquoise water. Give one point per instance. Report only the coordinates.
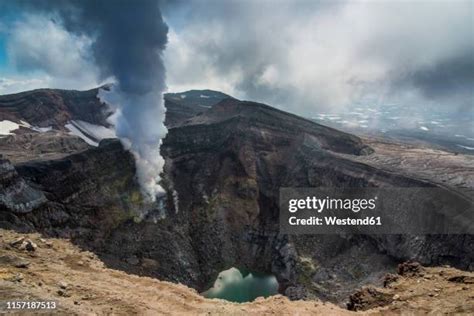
(235, 286)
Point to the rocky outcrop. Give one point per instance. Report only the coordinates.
(181, 107)
(52, 107)
(16, 195)
(30, 145)
(367, 298)
(85, 195)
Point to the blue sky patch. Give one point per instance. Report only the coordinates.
(3, 52)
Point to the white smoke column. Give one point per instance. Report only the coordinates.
(128, 38)
(140, 129)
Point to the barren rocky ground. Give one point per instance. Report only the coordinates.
(36, 268)
(421, 161)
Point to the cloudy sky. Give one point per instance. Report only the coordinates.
(297, 55)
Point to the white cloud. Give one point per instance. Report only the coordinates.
(38, 43)
(188, 70)
(17, 84)
(44, 55)
(302, 55)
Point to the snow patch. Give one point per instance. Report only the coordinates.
(465, 137)
(97, 131)
(90, 133)
(424, 128)
(176, 201)
(41, 129)
(7, 127)
(465, 147)
(73, 130)
(36, 128)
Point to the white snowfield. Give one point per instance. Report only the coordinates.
(90, 133)
(7, 127)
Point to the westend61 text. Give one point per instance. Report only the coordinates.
(334, 221)
(374, 210)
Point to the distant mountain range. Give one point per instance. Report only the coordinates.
(453, 131)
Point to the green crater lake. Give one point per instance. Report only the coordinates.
(236, 286)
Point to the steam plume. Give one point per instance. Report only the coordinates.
(128, 40)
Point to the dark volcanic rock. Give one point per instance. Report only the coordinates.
(22, 147)
(16, 195)
(51, 107)
(466, 279)
(88, 194)
(390, 278)
(410, 268)
(48, 111)
(180, 107)
(197, 98)
(259, 120)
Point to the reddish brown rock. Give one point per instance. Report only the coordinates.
(409, 268)
(367, 298)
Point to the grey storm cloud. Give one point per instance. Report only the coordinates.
(453, 77)
(126, 43)
(302, 55)
(128, 36)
